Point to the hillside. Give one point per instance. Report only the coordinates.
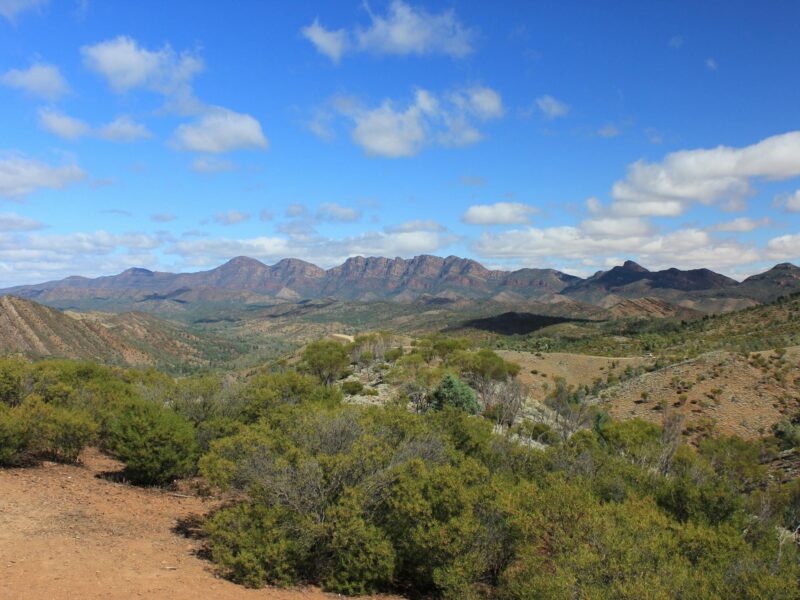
(34, 330)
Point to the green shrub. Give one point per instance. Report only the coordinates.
(351, 388)
(454, 392)
(251, 546)
(13, 438)
(392, 354)
(156, 444)
(362, 558)
(55, 433)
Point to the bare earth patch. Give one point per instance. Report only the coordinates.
(65, 533)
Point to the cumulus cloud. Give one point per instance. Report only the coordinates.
(708, 176)
(330, 43)
(124, 129)
(790, 202)
(21, 176)
(686, 248)
(323, 251)
(785, 247)
(232, 217)
(41, 80)
(35, 257)
(14, 222)
(126, 66)
(296, 210)
(220, 130)
(396, 132)
(62, 125)
(402, 31)
(741, 225)
(551, 107)
(499, 213)
(331, 211)
(10, 9)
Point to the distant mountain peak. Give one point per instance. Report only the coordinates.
(243, 261)
(630, 265)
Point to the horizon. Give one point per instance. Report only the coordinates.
(326, 269)
(564, 136)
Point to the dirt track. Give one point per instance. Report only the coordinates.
(65, 533)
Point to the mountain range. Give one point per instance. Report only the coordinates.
(247, 281)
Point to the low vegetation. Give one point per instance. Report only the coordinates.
(446, 490)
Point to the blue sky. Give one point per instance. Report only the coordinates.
(574, 135)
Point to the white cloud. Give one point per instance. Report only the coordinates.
(14, 222)
(266, 215)
(721, 174)
(616, 227)
(21, 176)
(62, 125)
(785, 247)
(402, 132)
(676, 41)
(687, 248)
(408, 30)
(551, 107)
(41, 80)
(711, 64)
(11, 8)
(330, 43)
(208, 164)
(220, 130)
(499, 213)
(593, 205)
(124, 129)
(790, 202)
(741, 225)
(232, 217)
(330, 211)
(126, 66)
(402, 31)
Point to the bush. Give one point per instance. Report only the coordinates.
(55, 433)
(326, 359)
(351, 388)
(13, 438)
(454, 392)
(156, 444)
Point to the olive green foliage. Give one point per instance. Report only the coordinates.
(427, 503)
(352, 387)
(326, 360)
(453, 392)
(365, 499)
(156, 444)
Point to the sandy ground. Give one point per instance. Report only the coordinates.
(65, 533)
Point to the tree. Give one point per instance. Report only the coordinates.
(454, 392)
(326, 359)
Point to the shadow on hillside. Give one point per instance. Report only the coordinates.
(514, 323)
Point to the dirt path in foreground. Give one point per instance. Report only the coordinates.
(65, 533)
